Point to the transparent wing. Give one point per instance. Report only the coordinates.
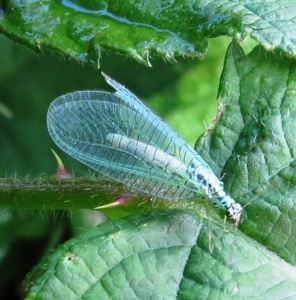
(119, 137)
(185, 152)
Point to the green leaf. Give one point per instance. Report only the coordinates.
(252, 142)
(139, 257)
(229, 265)
(81, 29)
(161, 256)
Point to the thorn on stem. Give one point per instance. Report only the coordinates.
(119, 201)
(61, 172)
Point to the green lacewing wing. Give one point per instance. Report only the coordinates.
(118, 136)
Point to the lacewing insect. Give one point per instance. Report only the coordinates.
(118, 136)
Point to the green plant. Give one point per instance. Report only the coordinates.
(181, 249)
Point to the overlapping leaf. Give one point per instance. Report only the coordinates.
(163, 255)
(252, 142)
(81, 29)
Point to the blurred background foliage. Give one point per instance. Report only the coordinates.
(183, 93)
